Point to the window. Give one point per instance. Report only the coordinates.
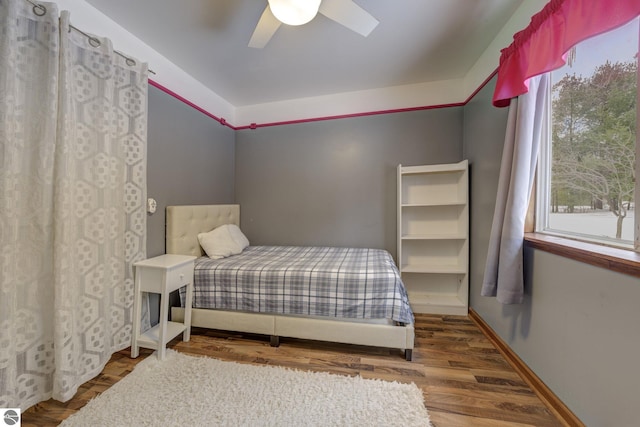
(587, 186)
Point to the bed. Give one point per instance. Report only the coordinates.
(301, 313)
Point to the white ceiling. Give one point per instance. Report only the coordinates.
(416, 41)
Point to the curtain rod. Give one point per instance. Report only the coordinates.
(40, 10)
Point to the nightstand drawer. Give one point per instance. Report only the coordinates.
(179, 276)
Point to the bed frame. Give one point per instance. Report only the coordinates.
(183, 225)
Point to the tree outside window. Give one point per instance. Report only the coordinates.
(593, 135)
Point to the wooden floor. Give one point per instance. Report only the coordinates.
(464, 379)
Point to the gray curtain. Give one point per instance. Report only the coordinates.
(527, 124)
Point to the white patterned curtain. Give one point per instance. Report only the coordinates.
(73, 123)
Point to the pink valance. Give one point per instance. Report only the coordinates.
(542, 46)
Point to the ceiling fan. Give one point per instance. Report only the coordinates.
(298, 12)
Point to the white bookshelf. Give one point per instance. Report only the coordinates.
(433, 236)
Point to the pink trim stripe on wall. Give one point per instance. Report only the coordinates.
(222, 121)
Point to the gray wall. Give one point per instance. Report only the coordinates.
(484, 130)
(578, 327)
(334, 182)
(190, 160)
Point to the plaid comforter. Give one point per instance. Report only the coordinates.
(315, 281)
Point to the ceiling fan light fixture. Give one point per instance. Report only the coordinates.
(294, 12)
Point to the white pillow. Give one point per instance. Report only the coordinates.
(223, 241)
(237, 236)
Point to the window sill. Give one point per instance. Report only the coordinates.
(614, 259)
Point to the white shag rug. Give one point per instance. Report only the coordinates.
(198, 391)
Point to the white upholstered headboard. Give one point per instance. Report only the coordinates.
(185, 222)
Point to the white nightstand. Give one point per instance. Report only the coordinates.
(162, 275)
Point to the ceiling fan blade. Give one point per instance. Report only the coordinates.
(349, 14)
(266, 28)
